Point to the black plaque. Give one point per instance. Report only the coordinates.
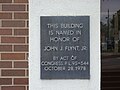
(65, 47)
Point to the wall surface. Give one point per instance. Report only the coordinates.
(64, 8)
(13, 44)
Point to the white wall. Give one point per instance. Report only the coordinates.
(64, 8)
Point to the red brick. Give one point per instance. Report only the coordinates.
(13, 72)
(21, 15)
(27, 7)
(5, 15)
(5, 1)
(21, 48)
(5, 64)
(13, 7)
(13, 88)
(27, 23)
(27, 55)
(12, 56)
(5, 31)
(27, 73)
(12, 40)
(27, 87)
(27, 39)
(13, 23)
(5, 81)
(21, 64)
(4, 48)
(21, 1)
(21, 31)
(21, 81)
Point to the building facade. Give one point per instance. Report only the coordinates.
(117, 31)
(14, 44)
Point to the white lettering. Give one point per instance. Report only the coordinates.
(61, 39)
(51, 48)
(72, 25)
(72, 48)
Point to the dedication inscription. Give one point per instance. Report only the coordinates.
(65, 47)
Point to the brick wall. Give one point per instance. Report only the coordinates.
(13, 44)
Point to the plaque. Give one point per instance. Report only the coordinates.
(65, 47)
